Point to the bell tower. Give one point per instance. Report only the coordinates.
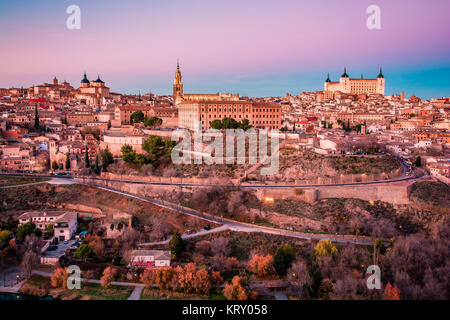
(177, 85)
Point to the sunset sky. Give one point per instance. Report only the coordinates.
(252, 47)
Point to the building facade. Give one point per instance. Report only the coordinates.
(179, 96)
(92, 92)
(354, 86)
(261, 115)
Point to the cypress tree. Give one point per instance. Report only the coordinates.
(86, 158)
(36, 117)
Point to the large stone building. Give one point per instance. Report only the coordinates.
(179, 96)
(261, 115)
(167, 113)
(55, 91)
(92, 92)
(354, 86)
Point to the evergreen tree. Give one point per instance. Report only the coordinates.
(107, 158)
(67, 162)
(55, 166)
(86, 158)
(97, 165)
(36, 117)
(418, 162)
(176, 245)
(283, 258)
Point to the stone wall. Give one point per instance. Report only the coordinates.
(395, 193)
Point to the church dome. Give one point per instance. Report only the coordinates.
(98, 80)
(85, 79)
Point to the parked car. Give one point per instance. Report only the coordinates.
(207, 227)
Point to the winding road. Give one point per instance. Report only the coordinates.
(228, 224)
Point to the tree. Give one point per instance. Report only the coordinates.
(153, 122)
(148, 277)
(86, 158)
(55, 165)
(59, 278)
(229, 123)
(391, 293)
(418, 162)
(108, 276)
(299, 278)
(36, 117)
(261, 265)
(5, 235)
(245, 124)
(67, 164)
(236, 290)
(29, 261)
(202, 282)
(176, 245)
(84, 252)
(154, 146)
(96, 166)
(164, 276)
(325, 289)
(97, 245)
(107, 158)
(221, 246)
(128, 154)
(216, 124)
(137, 116)
(283, 259)
(325, 248)
(24, 230)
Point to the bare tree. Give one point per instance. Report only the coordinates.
(221, 246)
(299, 278)
(29, 261)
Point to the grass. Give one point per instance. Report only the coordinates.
(14, 181)
(41, 286)
(97, 292)
(434, 193)
(265, 223)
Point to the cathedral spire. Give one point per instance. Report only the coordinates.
(381, 74)
(345, 75)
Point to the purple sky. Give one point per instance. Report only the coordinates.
(254, 47)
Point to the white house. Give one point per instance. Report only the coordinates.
(64, 222)
(150, 258)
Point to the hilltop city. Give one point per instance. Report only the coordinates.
(87, 181)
